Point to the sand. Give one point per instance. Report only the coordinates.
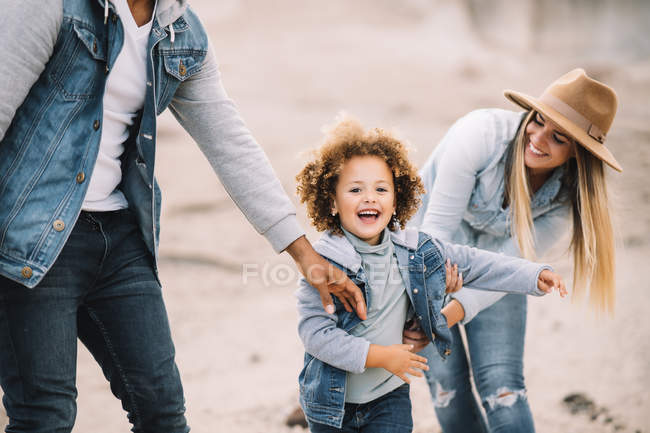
(414, 66)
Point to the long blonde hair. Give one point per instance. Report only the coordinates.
(592, 241)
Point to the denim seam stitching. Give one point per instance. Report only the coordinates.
(111, 351)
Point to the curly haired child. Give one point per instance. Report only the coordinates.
(361, 190)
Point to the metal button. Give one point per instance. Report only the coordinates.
(412, 257)
(106, 69)
(94, 46)
(181, 68)
(448, 352)
(415, 291)
(424, 268)
(58, 225)
(81, 177)
(27, 272)
(96, 125)
(114, 18)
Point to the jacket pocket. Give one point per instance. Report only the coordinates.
(178, 66)
(80, 57)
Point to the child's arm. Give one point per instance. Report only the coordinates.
(496, 272)
(321, 337)
(332, 345)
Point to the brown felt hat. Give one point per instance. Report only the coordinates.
(583, 107)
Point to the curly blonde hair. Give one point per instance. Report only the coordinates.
(345, 140)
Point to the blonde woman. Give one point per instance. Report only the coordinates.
(514, 182)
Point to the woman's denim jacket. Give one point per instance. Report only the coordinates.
(464, 180)
(331, 351)
(49, 150)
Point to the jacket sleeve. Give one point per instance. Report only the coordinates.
(205, 111)
(485, 270)
(28, 32)
(321, 337)
(466, 149)
(549, 228)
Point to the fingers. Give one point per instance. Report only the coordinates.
(404, 377)
(357, 299)
(326, 299)
(453, 280)
(562, 289)
(543, 286)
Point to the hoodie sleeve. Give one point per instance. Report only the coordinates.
(28, 32)
(548, 229)
(485, 270)
(205, 111)
(321, 337)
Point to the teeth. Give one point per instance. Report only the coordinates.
(535, 150)
(370, 213)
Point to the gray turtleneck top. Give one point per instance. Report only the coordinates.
(387, 310)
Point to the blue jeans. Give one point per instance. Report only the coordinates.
(495, 339)
(390, 413)
(103, 290)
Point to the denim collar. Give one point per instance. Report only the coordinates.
(550, 190)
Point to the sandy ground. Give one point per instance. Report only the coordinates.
(414, 66)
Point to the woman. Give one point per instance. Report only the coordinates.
(512, 182)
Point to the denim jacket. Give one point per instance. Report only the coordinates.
(464, 180)
(48, 151)
(331, 351)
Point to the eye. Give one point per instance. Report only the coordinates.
(559, 139)
(355, 189)
(538, 119)
(381, 189)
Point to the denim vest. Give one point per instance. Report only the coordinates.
(49, 151)
(322, 386)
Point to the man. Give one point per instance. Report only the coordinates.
(82, 83)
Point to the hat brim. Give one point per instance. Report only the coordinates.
(597, 148)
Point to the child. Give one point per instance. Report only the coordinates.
(361, 189)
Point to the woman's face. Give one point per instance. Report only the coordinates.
(546, 146)
(365, 197)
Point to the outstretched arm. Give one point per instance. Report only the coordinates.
(204, 109)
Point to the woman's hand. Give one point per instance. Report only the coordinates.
(398, 359)
(413, 335)
(453, 280)
(549, 281)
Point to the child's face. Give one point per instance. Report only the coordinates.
(365, 197)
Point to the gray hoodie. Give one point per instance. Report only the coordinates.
(28, 31)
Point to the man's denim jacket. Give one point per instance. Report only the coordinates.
(48, 152)
(331, 351)
(464, 180)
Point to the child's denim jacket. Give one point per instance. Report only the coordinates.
(331, 351)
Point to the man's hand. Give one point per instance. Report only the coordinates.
(326, 278)
(414, 335)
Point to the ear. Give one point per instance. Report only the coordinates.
(334, 209)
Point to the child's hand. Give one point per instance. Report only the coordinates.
(453, 280)
(549, 281)
(398, 359)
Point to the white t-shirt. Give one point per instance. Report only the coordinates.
(124, 97)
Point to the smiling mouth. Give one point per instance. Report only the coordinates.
(535, 150)
(369, 216)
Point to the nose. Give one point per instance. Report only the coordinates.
(370, 197)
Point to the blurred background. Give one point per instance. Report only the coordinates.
(413, 66)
